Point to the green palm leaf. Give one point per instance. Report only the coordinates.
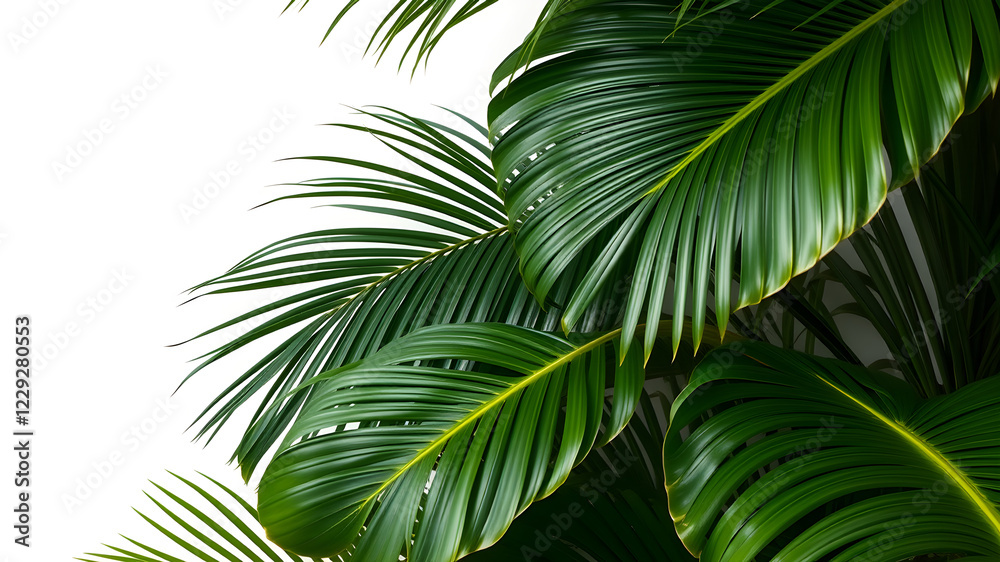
(408, 445)
(940, 327)
(808, 459)
(214, 523)
(225, 529)
(349, 291)
(427, 21)
(612, 508)
(747, 145)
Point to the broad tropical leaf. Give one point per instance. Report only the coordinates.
(428, 459)
(790, 457)
(226, 529)
(920, 275)
(349, 291)
(612, 508)
(212, 522)
(727, 143)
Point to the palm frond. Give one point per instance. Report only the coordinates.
(426, 22)
(226, 528)
(724, 145)
(792, 457)
(411, 443)
(349, 291)
(612, 507)
(932, 296)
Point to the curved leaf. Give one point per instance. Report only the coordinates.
(428, 20)
(405, 447)
(225, 529)
(809, 459)
(940, 327)
(348, 291)
(612, 508)
(750, 145)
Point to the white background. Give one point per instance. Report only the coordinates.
(198, 83)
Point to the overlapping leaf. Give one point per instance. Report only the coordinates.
(612, 508)
(941, 329)
(619, 487)
(685, 150)
(348, 291)
(431, 460)
(794, 458)
(727, 143)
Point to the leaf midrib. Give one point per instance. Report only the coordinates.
(478, 412)
(967, 486)
(772, 91)
(415, 263)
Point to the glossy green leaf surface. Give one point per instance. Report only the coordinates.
(408, 444)
(612, 508)
(726, 144)
(346, 292)
(813, 459)
(922, 275)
